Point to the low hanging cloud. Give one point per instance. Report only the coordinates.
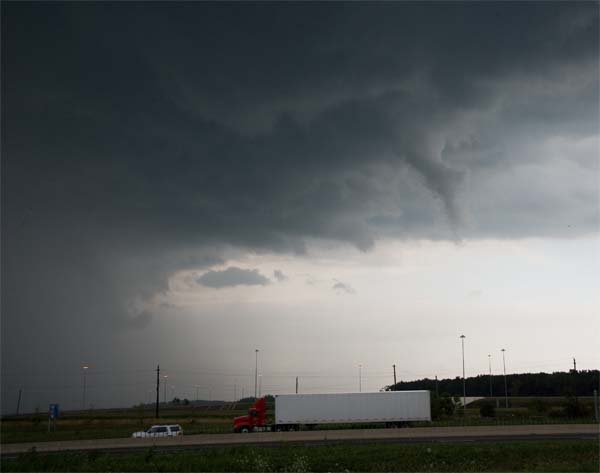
(341, 287)
(231, 277)
(279, 275)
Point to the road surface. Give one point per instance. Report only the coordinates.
(316, 437)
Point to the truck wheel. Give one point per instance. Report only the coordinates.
(244, 430)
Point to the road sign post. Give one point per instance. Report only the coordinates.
(53, 412)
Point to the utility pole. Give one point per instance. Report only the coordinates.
(19, 401)
(505, 383)
(437, 393)
(490, 362)
(462, 339)
(574, 365)
(394, 377)
(157, 391)
(259, 385)
(256, 373)
(296, 384)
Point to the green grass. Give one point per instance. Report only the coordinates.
(563, 456)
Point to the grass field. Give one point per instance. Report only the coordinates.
(116, 423)
(121, 423)
(563, 456)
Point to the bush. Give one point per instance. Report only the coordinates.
(441, 406)
(487, 410)
(573, 408)
(537, 406)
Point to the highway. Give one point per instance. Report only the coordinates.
(318, 437)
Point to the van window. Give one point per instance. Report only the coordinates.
(174, 428)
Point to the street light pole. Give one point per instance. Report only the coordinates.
(505, 384)
(490, 362)
(360, 378)
(259, 385)
(165, 389)
(462, 339)
(256, 373)
(84, 384)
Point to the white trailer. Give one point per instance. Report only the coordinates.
(390, 407)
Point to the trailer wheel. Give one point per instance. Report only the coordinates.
(244, 430)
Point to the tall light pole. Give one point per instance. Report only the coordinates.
(165, 389)
(360, 378)
(490, 362)
(462, 339)
(259, 385)
(256, 374)
(505, 384)
(85, 368)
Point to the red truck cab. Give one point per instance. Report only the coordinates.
(255, 421)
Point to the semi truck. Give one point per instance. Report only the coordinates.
(292, 411)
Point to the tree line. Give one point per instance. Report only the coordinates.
(559, 383)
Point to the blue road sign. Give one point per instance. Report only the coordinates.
(53, 411)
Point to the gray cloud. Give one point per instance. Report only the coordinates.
(341, 287)
(279, 275)
(232, 276)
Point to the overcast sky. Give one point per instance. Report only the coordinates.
(334, 184)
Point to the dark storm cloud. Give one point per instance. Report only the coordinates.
(231, 277)
(143, 139)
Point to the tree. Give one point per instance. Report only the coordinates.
(487, 410)
(442, 405)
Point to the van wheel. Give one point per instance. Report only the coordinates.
(244, 430)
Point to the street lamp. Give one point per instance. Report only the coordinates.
(359, 378)
(505, 384)
(165, 389)
(85, 368)
(256, 373)
(259, 385)
(490, 362)
(462, 339)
